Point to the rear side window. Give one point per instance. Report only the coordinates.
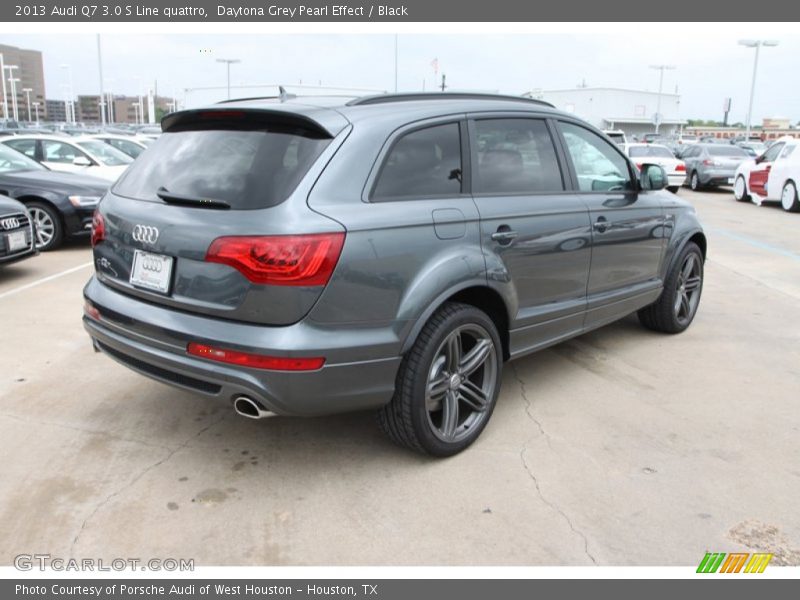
(515, 156)
(247, 169)
(27, 147)
(424, 163)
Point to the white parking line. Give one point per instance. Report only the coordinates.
(27, 286)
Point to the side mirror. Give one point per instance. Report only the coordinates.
(759, 159)
(81, 161)
(652, 177)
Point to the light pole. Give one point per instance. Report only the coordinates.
(110, 101)
(36, 108)
(757, 45)
(228, 62)
(5, 97)
(661, 69)
(13, 81)
(28, 100)
(69, 103)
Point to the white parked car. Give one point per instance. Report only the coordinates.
(82, 154)
(659, 155)
(617, 136)
(772, 176)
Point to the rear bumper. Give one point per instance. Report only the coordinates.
(717, 177)
(676, 179)
(152, 341)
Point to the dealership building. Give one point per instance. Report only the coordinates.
(632, 111)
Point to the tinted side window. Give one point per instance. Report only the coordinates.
(515, 156)
(421, 164)
(771, 154)
(27, 147)
(60, 153)
(598, 165)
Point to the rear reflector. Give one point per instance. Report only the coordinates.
(302, 260)
(98, 228)
(91, 310)
(255, 361)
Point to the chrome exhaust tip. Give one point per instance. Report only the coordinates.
(247, 407)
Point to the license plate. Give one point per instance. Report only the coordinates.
(730, 180)
(16, 241)
(151, 271)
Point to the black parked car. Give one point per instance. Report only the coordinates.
(16, 231)
(60, 204)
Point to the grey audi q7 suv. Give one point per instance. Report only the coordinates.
(307, 256)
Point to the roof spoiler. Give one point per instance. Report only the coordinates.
(223, 117)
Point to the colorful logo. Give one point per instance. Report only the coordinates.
(735, 562)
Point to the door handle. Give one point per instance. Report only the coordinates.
(504, 235)
(601, 225)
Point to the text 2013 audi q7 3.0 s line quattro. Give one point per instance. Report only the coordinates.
(313, 256)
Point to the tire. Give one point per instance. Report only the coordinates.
(677, 306)
(789, 200)
(49, 228)
(694, 182)
(740, 190)
(435, 409)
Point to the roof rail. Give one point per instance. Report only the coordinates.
(408, 97)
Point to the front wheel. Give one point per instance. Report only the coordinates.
(447, 384)
(49, 230)
(675, 309)
(740, 190)
(789, 200)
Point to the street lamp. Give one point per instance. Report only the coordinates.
(36, 108)
(69, 102)
(228, 62)
(757, 45)
(660, 68)
(12, 81)
(28, 100)
(5, 97)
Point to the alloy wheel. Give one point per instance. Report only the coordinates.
(45, 227)
(688, 294)
(461, 382)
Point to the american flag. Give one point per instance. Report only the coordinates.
(435, 65)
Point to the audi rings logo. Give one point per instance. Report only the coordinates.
(10, 223)
(146, 234)
(150, 263)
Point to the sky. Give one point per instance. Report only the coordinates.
(708, 68)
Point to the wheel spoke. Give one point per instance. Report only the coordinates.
(692, 283)
(472, 395)
(678, 301)
(688, 267)
(453, 352)
(437, 387)
(450, 415)
(684, 305)
(473, 359)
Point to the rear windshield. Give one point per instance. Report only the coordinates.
(721, 150)
(246, 169)
(657, 151)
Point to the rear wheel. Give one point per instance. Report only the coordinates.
(49, 230)
(448, 383)
(789, 200)
(675, 309)
(694, 181)
(740, 190)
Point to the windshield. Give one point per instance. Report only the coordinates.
(726, 151)
(246, 169)
(109, 156)
(657, 151)
(11, 160)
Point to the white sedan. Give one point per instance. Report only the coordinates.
(72, 154)
(772, 176)
(659, 155)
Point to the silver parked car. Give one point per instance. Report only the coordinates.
(710, 165)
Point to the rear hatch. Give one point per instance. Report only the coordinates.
(213, 219)
(727, 157)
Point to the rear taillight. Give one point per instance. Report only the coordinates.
(255, 361)
(639, 166)
(680, 167)
(306, 260)
(709, 163)
(98, 228)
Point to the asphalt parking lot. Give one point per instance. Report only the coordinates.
(622, 447)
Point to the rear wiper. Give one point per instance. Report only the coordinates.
(171, 198)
